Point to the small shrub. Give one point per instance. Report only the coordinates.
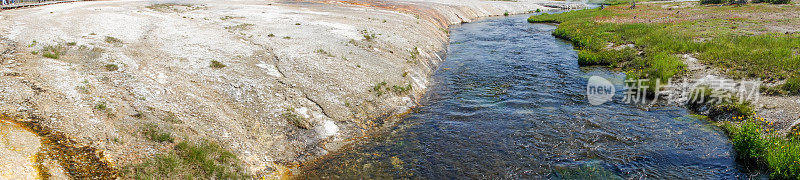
(368, 35)
(378, 88)
(401, 89)
(112, 40)
(271, 35)
(34, 52)
(53, 51)
(217, 64)
(287, 37)
(111, 67)
(414, 53)
(505, 13)
(72, 43)
(101, 106)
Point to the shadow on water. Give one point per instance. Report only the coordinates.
(510, 102)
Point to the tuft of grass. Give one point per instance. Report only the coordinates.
(229, 17)
(295, 119)
(378, 88)
(205, 160)
(152, 132)
(240, 27)
(72, 43)
(101, 106)
(401, 89)
(369, 36)
(792, 86)
(174, 7)
(53, 51)
(323, 52)
(287, 37)
(414, 54)
(171, 118)
(216, 64)
(111, 67)
(271, 35)
(505, 13)
(759, 146)
(112, 40)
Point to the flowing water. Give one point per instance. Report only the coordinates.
(509, 102)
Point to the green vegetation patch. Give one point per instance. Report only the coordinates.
(204, 160)
(111, 67)
(240, 27)
(630, 39)
(216, 64)
(759, 146)
(53, 51)
(152, 132)
(296, 120)
(112, 40)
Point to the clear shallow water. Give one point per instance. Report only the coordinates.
(510, 102)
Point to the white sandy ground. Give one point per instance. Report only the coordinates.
(318, 63)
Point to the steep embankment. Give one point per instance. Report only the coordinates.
(276, 83)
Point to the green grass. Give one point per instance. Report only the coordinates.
(378, 88)
(769, 56)
(111, 67)
(295, 119)
(204, 160)
(323, 52)
(101, 106)
(112, 40)
(216, 64)
(152, 132)
(240, 27)
(53, 51)
(369, 36)
(758, 146)
(792, 86)
(401, 89)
